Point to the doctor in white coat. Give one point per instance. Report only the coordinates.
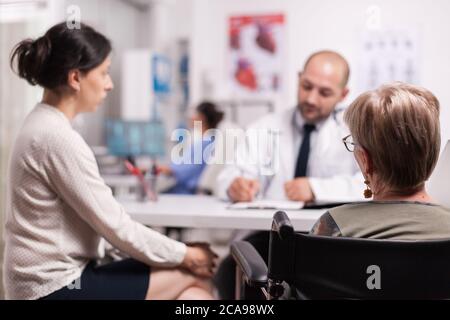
(309, 162)
(331, 172)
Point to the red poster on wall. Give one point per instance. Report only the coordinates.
(256, 53)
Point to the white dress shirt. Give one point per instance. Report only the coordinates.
(332, 171)
(59, 210)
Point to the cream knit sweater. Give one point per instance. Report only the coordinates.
(59, 209)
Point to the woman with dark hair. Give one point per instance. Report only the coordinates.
(59, 208)
(187, 175)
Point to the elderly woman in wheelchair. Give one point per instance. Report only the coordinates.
(394, 246)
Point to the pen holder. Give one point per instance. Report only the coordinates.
(147, 188)
(141, 193)
(151, 180)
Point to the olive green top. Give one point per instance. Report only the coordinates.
(397, 220)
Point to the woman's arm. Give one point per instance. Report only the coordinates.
(74, 175)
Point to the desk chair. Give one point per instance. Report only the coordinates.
(317, 267)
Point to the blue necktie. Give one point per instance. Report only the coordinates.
(303, 154)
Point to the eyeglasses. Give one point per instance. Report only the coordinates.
(349, 144)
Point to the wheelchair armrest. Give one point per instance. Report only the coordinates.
(250, 262)
(282, 225)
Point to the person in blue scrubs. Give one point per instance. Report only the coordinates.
(187, 175)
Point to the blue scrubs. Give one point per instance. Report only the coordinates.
(187, 175)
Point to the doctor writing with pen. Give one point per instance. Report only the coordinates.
(311, 163)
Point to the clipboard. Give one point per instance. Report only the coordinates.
(267, 205)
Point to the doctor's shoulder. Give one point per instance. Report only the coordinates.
(338, 117)
(270, 120)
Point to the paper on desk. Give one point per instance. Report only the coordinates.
(268, 205)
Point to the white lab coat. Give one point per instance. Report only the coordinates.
(332, 170)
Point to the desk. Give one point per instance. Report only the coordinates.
(208, 212)
(124, 184)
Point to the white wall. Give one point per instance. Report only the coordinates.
(130, 27)
(314, 25)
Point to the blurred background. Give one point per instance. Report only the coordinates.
(244, 55)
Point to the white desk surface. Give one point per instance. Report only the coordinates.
(209, 212)
(125, 180)
(128, 181)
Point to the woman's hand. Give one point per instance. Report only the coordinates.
(199, 259)
(163, 169)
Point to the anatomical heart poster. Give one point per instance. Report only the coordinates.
(256, 54)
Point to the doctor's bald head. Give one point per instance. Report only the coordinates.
(322, 85)
(332, 62)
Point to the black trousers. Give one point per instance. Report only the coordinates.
(225, 278)
(120, 280)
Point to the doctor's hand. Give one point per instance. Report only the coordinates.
(299, 189)
(200, 259)
(242, 189)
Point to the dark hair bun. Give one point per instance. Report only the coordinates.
(210, 111)
(47, 60)
(31, 58)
